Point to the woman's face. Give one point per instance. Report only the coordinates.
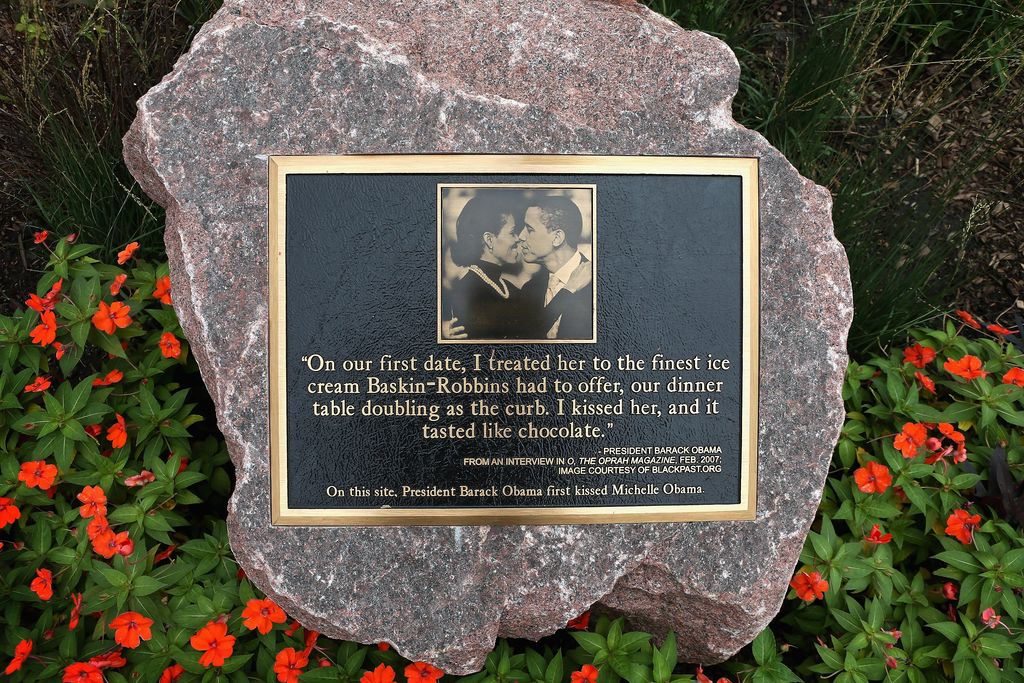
(504, 246)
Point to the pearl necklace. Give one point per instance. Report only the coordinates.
(501, 290)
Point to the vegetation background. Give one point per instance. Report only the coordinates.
(910, 111)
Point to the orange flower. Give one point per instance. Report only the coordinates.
(968, 367)
(46, 331)
(117, 435)
(94, 502)
(382, 674)
(130, 629)
(112, 377)
(948, 431)
(581, 622)
(97, 525)
(80, 672)
(925, 381)
(8, 512)
(60, 350)
(421, 672)
(126, 253)
(76, 610)
(809, 586)
(21, 653)
(998, 329)
(109, 318)
(40, 237)
(968, 318)
(919, 356)
(110, 660)
(163, 289)
(38, 384)
(164, 554)
(107, 543)
(214, 642)
(47, 301)
(261, 615)
(170, 347)
(288, 665)
(383, 647)
(172, 673)
(910, 439)
(42, 585)
(877, 537)
(873, 478)
(588, 674)
(37, 474)
(115, 286)
(961, 524)
(1014, 376)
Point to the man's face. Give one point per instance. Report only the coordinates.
(505, 245)
(534, 239)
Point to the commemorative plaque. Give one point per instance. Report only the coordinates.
(497, 339)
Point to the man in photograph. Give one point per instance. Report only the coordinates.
(559, 298)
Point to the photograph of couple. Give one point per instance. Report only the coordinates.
(516, 263)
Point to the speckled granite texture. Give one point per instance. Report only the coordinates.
(551, 76)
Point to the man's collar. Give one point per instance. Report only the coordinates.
(565, 272)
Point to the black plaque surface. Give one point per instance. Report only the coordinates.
(379, 416)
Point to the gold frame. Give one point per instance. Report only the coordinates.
(441, 187)
(279, 167)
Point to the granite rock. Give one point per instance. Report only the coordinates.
(543, 76)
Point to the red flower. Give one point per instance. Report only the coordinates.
(79, 672)
(47, 301)
(37, 474)
(131, 628)
(950, 432)
(117, 435)
(8, 512)
(109, 318)
(998, 329)
(421, 672)
(41, 383)
(42, 585)
(107, 543)
(581, 622)
(809, 586)
(164, 554)
(960, 525)
(163, 289)
(383, 647)
(877, 537)
(925, 381)
(126, 253)
(141, 479)
(170, 347)
(94, 502)
(588, 674)
(382, 674)
(288, 665)
(112, 377)
(1014, 376)
(968, 318)
(701, 678)
(261, 615)
(76, 610)
(172, 673)
(111, 660)
(949, 590)
(910, 440)
(873, 478)
(968, 367)
(214, 642)
(60, 350)
(46, 331)
(919, 356)
(97, 526)
(40, 237)
(115, 286)
(94, 430)
(990, 618)
(21, 653)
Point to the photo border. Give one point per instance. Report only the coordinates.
(593, 260)
(746, 168)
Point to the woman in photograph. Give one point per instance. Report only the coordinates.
(484, 305)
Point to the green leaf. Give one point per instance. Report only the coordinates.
(961, 560)
(764, 646)
(590, 642)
